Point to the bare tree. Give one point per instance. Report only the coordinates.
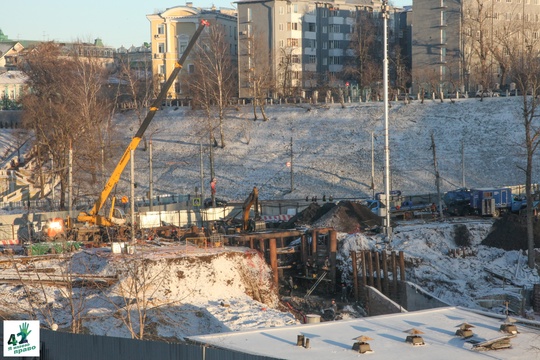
(526, 75)
(66, 106)
(478, 42)
(136, 289)
(135, 89)
(366, 64)
(213, 83)
(285, 71)
(258, 70)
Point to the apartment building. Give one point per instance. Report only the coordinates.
(171, 31)
(470, 44)
(306, 42)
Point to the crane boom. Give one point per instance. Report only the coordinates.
(92, 216)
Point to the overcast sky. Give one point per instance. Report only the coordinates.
(117, 23)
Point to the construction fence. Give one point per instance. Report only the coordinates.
(67, 346)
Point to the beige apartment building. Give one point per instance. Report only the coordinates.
(171, 31)
(471, 44)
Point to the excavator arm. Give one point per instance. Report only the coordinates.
(253, 198)
(92, 216)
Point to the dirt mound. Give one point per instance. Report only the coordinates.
(309, 215)
(346, 216)
(349, 217)
(510, 233)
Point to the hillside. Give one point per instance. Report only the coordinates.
(332, 148)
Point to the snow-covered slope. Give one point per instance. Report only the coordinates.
(332, 148)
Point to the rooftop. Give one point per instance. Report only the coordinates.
(333, 340)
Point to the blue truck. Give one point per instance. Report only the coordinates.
(484, 201)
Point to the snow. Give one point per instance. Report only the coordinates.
(228, 291)
(332, 149)
(334, 340)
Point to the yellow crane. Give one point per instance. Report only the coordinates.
(93, 216)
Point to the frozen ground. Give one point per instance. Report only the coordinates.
(332, 149)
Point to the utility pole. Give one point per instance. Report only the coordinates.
(292, 173)
(212, 175)
(52, 181)
(372, 165)
(70, 180)
(437, 177)
(462, 164)
(151, 175)
(387, 226)
(202, 173)
(132, 201)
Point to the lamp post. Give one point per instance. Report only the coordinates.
(385, 16)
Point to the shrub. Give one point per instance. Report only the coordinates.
(462, 236)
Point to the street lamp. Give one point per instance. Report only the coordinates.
(385, 16)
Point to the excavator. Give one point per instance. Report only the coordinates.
(252, 199)
(93, 217)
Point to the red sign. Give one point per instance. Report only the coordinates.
(347, 83)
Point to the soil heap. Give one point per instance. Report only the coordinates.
(346, 216)
(510, 233)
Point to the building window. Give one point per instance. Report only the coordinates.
(191, 68)
(295, 8)
(161, 48)
(325, 45)
(281, 11)
(324, 61)
(312, 27)
(335, 60)
(334, 28)
(161, 29)
(292, 26)
(312, 59)
(295, 59)
(249, 14)
(334, 44)
(161, 69)
(292, 42)
(281, 27)
(324, 29)
(281, 43)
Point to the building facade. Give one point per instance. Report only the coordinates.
(171, 31)
(471, 44)
(306, 43)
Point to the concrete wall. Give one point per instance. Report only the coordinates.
(416, 298)
(10, 118)
(379, 304)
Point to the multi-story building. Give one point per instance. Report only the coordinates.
(465, 45)
(305, 42)
(171, 31)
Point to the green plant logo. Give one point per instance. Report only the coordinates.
(22, 338)
(24, 332)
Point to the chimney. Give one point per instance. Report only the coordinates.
(361, 345)
(414, 337)
(464, 330)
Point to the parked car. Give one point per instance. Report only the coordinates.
(486, 93)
